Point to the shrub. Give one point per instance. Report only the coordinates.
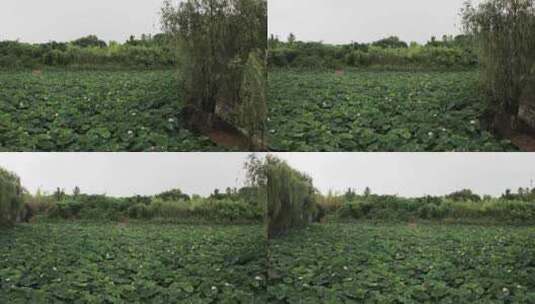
(199, 209)
(39, 203)
(464, 195)
(89, 41)
(66, 210)
(173, 195)
(391, 42)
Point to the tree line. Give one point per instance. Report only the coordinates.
(148, 51)
(450, 52)
(234, 206)
(463, 206)
(293, 202)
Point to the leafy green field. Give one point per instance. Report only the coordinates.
(137, 263)
(93, 111)
(377, 111)
(366, 263)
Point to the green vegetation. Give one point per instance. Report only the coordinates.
(504, 31)
(166, 248)
(132, 263)
(370, 110)
(10, 197)
(218, 48)
(73, 110)
(436, 104)
(450, 53)
(455, 248)
(221, 44)
(89, 52)
(253, 110)
(241, 206)
(400, 263)
(290, 196)
(390, 208)
(460, 207)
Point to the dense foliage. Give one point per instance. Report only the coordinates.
(505, 34)
(290, 197)
(366, 110)
(62, 110)
(132, 263)
(10, 197)
(253, 110)
(235, 206)
(388, 208)
(460, 206)
(216, 40)
(89, 52)
(389, 52)
(400, 263)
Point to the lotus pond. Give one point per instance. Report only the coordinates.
(368, 110)
(70, 110)
(134, 263)
(400, 263)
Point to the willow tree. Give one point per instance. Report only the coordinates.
(253, 108)
(290, 197)
(10, 197)
(221, 46)
(257, 179)
(504, 31)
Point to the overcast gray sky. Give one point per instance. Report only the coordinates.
(333, 21)
(125, 174)
(343, 21)
(416, 174)
(406, 174)
(65, 20)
